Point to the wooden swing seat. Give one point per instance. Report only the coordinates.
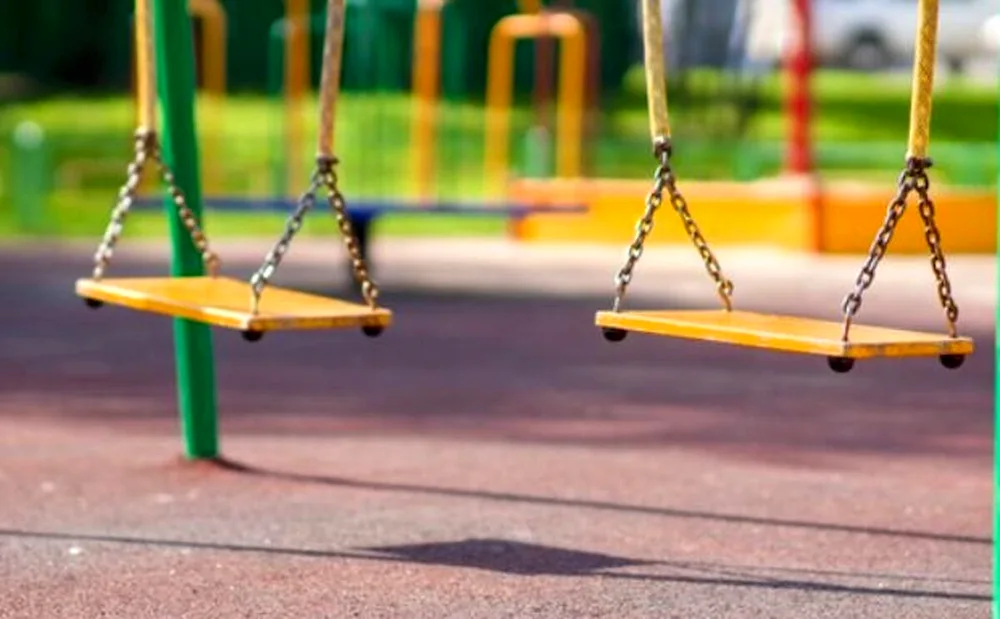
(786, 333)
(226, 302)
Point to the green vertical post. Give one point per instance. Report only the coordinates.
(276, 102)
(30, 181)
(175, 66)
(538, 152)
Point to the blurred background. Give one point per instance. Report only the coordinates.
(763, 94)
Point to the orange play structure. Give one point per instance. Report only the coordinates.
(571, 31)
(426, 83)
(793, 213)
(211, 15)
(796, 211)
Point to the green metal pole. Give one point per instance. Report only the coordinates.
(175, 65)
(538, 152)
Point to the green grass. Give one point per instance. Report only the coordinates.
(85, 215)
(861, 128)
(852, 107)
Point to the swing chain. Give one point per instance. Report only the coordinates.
(323, 177)
(126, 197)
(666, 181)
(328, 177)
(188, 218)
(147, 148)
(933, 237)
(260, 279)
(723, 286)
(913, 178)
(894, 212)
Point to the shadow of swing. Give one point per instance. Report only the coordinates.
(244, 469)
(520, 558)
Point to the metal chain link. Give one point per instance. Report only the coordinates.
(665, 181)
(328, 176)
(324, 177)
(913, 178)
(189, 219)
(259, 280)
(126, 197)
(894, 212)
(933, 238)
(146, 149)
(653, 202)
(723, 286)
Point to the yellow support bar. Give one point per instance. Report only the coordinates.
(426, 84)
(297, 37)
(214, 26)
(570, 30)
(213, 35)
(213, 69)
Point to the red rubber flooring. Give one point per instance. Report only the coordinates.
(487, 457)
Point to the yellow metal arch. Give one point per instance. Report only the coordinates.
(214, 24)
(426, 83)
(572, 33)
(297, 41)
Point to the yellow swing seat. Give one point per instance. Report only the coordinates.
(840, 342)
(785, 333)
(226, 302)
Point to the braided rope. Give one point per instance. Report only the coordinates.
(145, 61)
(923, 79)
(656, 72)
(329, 88)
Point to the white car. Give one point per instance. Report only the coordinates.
(866, 35)
(990, 34)
(877, 34)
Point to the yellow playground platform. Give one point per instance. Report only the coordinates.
(791, 213)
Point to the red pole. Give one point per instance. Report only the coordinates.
(798, 104)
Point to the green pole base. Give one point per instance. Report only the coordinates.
(175, 64)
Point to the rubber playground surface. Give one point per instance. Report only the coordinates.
(490, 455)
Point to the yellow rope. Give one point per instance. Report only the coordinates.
(656, 73)
(145, 64)
(329, 88)
(923, 79)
